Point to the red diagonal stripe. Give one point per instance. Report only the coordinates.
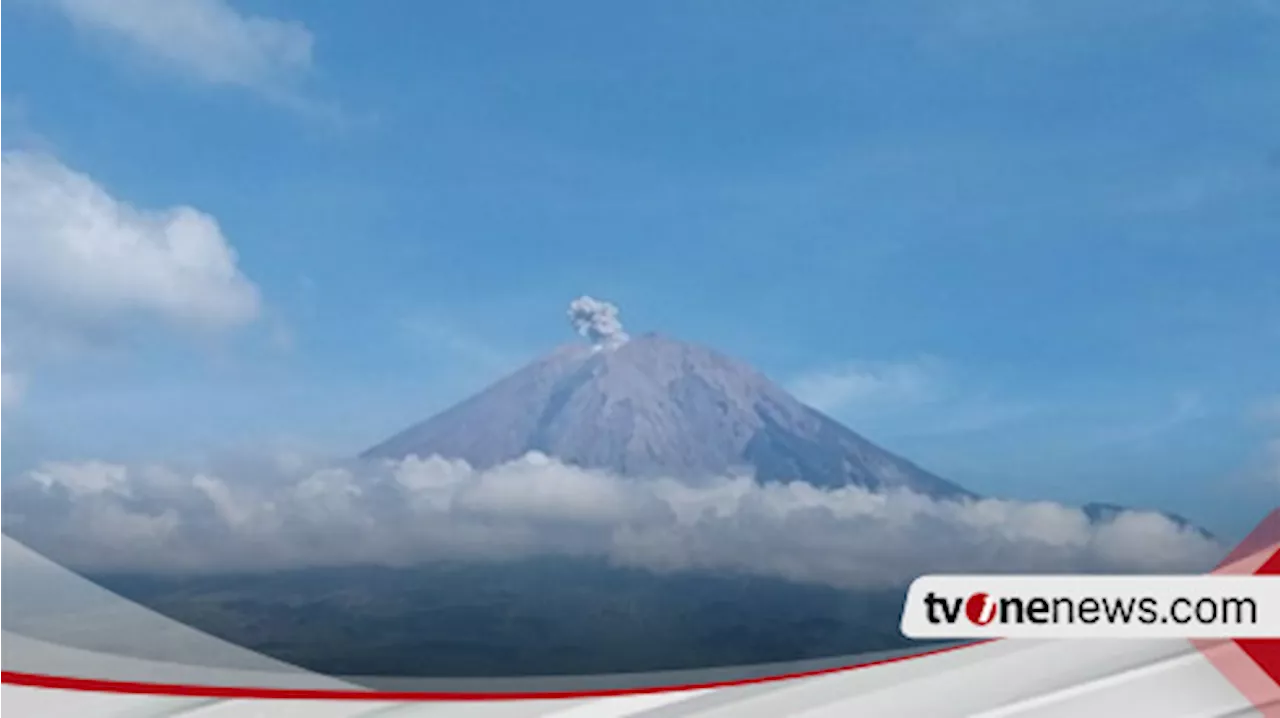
(1266, 534)
(1253, 655)
(1266, 651)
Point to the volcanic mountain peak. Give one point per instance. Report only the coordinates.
(656, 406)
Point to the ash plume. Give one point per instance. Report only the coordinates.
(597, 321)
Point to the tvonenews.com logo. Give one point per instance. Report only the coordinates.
(1093, 607)
(983, 609)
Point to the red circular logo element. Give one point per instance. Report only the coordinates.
(980, 609)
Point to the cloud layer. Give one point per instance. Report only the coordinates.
(289, 514)
(205, 39)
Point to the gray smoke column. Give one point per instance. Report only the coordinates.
(597, 321)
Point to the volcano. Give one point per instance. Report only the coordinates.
(654, 406)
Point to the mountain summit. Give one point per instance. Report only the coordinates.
(654, 406)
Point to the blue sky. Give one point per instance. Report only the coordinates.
(1030, 245)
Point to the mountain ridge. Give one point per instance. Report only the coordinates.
(657, 406)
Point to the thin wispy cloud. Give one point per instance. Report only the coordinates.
(12, 387)
(208, 41)
(1267, 413)
(1267, 8)
(432, 334)
(973, 414)
(1184, 408)
(915, 399)
(1267, 410)
(868, 386)
(995, 20)
(1182, 194)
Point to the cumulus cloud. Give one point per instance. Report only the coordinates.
(97, 515)
(82, 263)
(208, 40)
(597, 321)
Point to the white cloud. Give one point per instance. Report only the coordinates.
(205, 39)
(82, 264)
(12, 387)
(100, 515)
(868, 385)
(80, 479)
